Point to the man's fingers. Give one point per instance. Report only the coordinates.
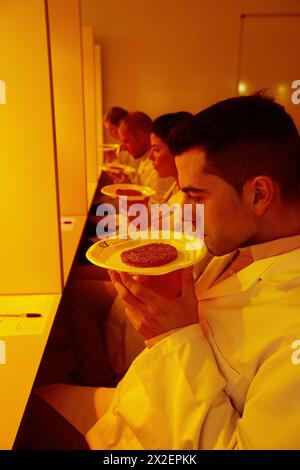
(188, 282)
(124, 292)
(137, 319)
(141, 279)
(114, 276)
(117, 282)
(141, 292)
(136, 310)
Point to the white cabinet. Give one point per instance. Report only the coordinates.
(51, 124)
(67, 82)
(30, 226)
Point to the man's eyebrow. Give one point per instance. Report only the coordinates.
(191, 189)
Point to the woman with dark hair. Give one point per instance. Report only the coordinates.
(163, 159)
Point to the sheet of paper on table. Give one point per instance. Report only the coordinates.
(18, 305)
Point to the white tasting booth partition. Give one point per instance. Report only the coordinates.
(30, 228)
(68, 96)
(99, 104)
(90, 109)
(48, 165)
(31, 261)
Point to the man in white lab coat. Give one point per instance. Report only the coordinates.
(221, 369)
(234, 383)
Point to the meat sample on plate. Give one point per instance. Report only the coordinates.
(151, 255)
(128, 192)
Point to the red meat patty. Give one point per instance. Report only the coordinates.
(128, 192)
(147, 256)
(115, 168)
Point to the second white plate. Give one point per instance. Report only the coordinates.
(111, 190)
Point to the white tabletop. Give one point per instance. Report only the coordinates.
(22, 353)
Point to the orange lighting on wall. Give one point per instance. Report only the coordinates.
(242, 88)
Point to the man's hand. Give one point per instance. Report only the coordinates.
(152, 314)
(167, 285)
(110, 155)
(119, 178)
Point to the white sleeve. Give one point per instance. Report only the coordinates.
(173, 397)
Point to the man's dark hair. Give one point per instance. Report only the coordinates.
(244, 137)
(138, 121)
(163, 125)
(115, 115)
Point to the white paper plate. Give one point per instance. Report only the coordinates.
(111, 191)
(109, 146)
(107, 253)
(118, 168)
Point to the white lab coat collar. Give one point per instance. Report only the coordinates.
(275, 270)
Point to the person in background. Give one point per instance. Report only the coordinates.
(104, 343)
(134, 132)
(112, 119)
(221, 368)
(162, 159)
(123, 343)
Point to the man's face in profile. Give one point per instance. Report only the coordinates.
(112, 129)
(131, 141)
(228, 219)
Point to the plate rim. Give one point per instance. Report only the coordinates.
(126, 168)
(151, 192)
(167, 268)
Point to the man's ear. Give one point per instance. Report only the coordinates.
(259, 192)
